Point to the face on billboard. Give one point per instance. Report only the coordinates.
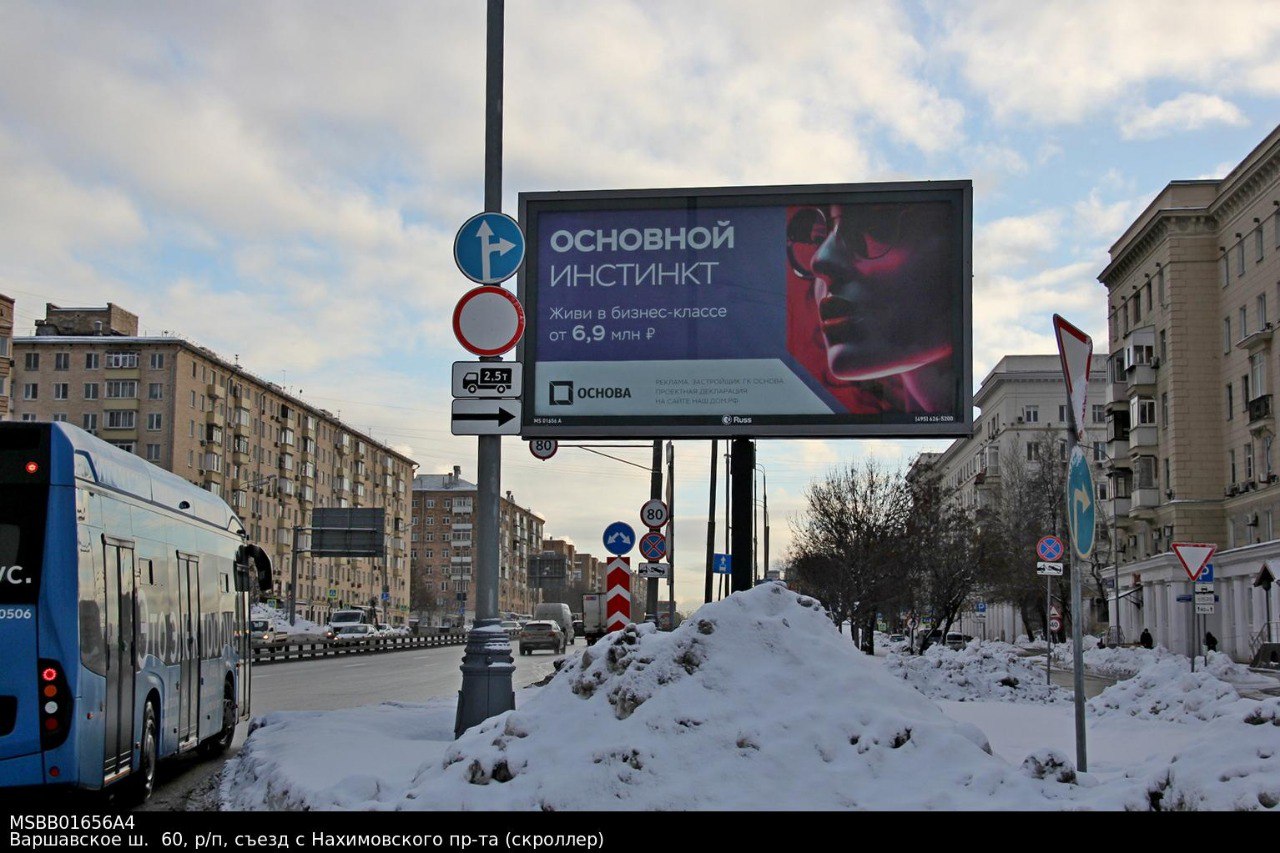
(879, 296)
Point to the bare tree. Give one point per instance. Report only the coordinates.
(850, 541)
(945, 551)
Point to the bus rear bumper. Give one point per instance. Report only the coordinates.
(22, 770)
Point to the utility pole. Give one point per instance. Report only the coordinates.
(655, 493)
(487, 664)
(711, 526)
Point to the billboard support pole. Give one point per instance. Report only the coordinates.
(711, 525)
(671, 536)
(655, 493)
(743, 466)
(487, 664)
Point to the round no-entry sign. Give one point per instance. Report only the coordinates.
(488, 320)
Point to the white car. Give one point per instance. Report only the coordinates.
(354, 633)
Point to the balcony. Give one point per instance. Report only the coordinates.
(1143, 440)
(1120, 507)
(1118, 452)
(213, 392)
(1117, 397)
(1257, 341)
(1261, 418)
(1140, 379)
(1145, 499)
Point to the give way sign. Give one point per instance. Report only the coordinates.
(1194, 556)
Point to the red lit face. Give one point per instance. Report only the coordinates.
(881, 285)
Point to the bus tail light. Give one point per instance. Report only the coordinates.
(55, 704)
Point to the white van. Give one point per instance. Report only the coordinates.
(560, 614)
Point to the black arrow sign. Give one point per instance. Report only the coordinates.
(501, 416)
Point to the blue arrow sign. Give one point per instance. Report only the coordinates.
(1081, 508)
(619, 538)
(722, 564)
(489, 248)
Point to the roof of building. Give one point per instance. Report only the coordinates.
(442, 483)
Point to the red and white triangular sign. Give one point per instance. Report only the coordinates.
(1075, 349)
(1193, 556)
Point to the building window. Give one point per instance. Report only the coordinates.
(153, 453)
(1164, 348)
(1033, 452)
(1142, 411)
(1160, 287)
(121, 419)
(1231, 466)
(1164, 410)
(1258, 374)
(1226, 270)
(1257, 241)
(1248, 461)
(1136, 302)
(28, 416)
(1062, 414)
(155, 390)
(117, 360)
(1226, 335)
(30, 391)
(1031, 414)
(1261, 311)
(1244, 322)
(1099, 451)
(1148, 290)
(122, 389)
(1231, 403)
(126, 446)
(1099, 413)
(154, 421)
(32, 361)
(90, 423)
(157, 361)
(62, 361)
(1240, 258)
(91, 361)
(60, 390)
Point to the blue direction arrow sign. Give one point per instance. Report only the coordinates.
(619, 538)
(653, 546)
(1081, 509)
(722, 564)
(489, 247)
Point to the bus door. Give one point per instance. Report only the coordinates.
(188, 647)
(120, 640)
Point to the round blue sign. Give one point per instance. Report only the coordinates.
(1081, 508)
(489, 248)
(619, 538)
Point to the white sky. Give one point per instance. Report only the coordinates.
(282, 182)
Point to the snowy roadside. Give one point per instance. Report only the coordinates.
(761, 690)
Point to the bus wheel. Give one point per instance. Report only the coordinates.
(144, 781)
(218, 744)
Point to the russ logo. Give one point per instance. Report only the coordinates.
(561, 393)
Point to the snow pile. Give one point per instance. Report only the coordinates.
(1239, 676)
(1232, 767)
(280, 622)
(754, 703)
(981, 671)
(1168, 690)
(1124, 661)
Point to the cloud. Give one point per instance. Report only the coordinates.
(1061, 61)
(1015, 241)
(1189, 111)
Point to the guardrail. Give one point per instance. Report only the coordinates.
(324, 649)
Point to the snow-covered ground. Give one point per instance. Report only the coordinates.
(757, 702)
(301, 629)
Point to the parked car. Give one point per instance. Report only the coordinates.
(579, 628)
(354, 633)
(541, 634)
(262, 635)
(957, 641)
(512, 627)
(897, 638)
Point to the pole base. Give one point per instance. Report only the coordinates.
(487, 666)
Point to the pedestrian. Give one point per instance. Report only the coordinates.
(1210, 641)
(1145, 639)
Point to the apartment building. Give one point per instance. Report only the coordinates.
(1193, 290)
(1023, 414)
(442, 551)
(6, 354)
(270, 455)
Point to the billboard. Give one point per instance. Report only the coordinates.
(799, 311)
(348, 532)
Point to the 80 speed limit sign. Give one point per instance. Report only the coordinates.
(544, 448)
(654, 514)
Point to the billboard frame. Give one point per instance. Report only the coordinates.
(532, 205)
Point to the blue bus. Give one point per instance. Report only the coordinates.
(123, 613)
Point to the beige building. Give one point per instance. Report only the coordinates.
(1193, 292)
(6, 354)
(1023, 409)
(442, 564)
(270, 455)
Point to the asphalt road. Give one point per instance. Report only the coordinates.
(324, 684)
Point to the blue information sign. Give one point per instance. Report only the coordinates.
(489, 248)
(1081, 510)
(982, 607)
(619, 538)
(722, 564)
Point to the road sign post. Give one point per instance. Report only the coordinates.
(487, 664)
(618, 596)
(1075, 351)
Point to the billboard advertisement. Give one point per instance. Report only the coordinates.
(801, 311)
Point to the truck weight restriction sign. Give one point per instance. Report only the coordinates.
(654, 514)
(544, 448)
